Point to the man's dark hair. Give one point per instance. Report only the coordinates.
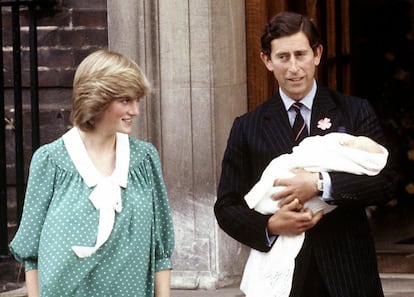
(286, 24)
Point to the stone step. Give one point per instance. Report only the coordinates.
(394, 285)
(394, 260)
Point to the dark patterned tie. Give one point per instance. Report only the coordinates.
(299, 127)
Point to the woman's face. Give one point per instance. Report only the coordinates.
(118, 116)
(293, 63)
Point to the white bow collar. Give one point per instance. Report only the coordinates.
(106, 196)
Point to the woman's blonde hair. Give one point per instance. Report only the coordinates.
(100, 78)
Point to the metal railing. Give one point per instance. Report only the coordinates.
(13, 10)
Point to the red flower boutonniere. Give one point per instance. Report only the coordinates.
(324, 124)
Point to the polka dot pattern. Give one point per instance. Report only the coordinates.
(57, 214)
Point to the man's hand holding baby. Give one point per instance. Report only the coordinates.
(301, 186)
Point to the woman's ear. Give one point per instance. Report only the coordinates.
(267, 61)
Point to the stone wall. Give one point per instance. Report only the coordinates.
(193, 53)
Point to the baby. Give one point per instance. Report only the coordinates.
(332, 152)
(270, 274)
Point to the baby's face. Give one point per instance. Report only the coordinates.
(362, 143)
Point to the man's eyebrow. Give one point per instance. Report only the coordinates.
(288, 52)
(282, 53)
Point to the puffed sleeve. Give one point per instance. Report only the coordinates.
(25, 244)
(163, 225)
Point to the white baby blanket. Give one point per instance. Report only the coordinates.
(270, 274)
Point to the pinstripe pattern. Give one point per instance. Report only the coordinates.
(341, 242)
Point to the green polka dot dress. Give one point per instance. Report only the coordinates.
(58, 215)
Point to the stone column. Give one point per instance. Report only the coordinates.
(193, 52)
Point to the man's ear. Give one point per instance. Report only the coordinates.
(318, 54)
(267, 61)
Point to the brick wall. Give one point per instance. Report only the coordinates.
(67, 32)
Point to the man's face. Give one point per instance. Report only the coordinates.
(293, 63)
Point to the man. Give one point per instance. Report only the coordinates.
(338, 256)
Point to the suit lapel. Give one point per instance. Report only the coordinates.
(326, 116)
(276, 128)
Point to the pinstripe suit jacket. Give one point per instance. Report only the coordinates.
(341, 242)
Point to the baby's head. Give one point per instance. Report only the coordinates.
(362, 143)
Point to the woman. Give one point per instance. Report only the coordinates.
(96, 219)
